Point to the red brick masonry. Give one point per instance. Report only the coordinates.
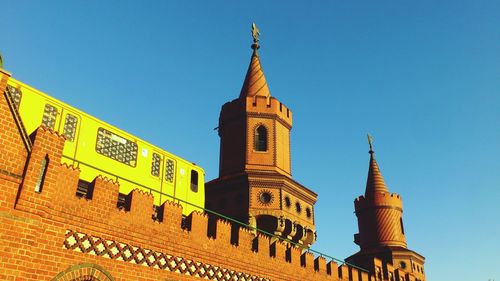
(55, 235)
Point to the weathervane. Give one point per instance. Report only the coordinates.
(255, 35)
(370, 142)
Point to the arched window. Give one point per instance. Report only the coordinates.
(260, 141)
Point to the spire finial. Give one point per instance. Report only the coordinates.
(370, 142)
(255, 35)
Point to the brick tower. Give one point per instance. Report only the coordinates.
(381, 231)
(255, 183)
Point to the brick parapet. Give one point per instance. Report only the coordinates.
(271, 106)
(41, 223)
(379, 199)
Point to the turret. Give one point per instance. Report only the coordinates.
(381, 230)
(380, 213)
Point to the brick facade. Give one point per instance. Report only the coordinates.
(49, 233)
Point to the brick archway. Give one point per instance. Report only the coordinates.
(84, 272)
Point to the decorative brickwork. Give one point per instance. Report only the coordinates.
(110, 249)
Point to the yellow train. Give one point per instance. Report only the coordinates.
(98, 148)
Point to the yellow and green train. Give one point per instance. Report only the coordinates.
(99, 148)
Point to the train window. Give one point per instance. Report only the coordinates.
(155, 165)
(70, 127)
(170, 171)
(260, 141)
(194, 181)
(15, 94)
(49, 116)
(116, 147)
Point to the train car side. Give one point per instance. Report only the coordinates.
(98, 148)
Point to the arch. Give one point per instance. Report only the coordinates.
(260, 138)
(84, 272)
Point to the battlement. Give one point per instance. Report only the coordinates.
(263, 105)
(96, 217)
(379, 199)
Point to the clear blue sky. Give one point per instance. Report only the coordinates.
(422, 76)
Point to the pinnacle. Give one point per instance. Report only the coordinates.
(375, 181)
(255, 82)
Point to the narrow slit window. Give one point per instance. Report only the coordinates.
(402, 227)
(155, 165)
(49, 116)
(41, 176)
(70, 127)
(260, 142)
(194, 181)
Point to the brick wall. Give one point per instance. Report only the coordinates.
(48, 233)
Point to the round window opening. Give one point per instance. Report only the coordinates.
(265, 197)
(402, 265)
(298, 208)
(308, 212)
(288, 202)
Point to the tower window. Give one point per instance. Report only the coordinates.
(260, 141)
(402, 227)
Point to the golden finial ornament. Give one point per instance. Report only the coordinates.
(370, 142)
(255, 33)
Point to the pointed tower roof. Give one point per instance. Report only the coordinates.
(375, 181)
(255, 82)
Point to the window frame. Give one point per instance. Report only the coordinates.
(261, 138)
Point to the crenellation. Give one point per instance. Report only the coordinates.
(141, 206)
(172, 215)
(343, 272)
(245, 239)
(104, 193)
(307, 261)
(265, 105)
(223, 232)
(320, 264)
(332, 268)
(353, 274)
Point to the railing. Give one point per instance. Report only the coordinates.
(220, 215)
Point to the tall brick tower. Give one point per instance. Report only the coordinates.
(255, 184)
(381, 231)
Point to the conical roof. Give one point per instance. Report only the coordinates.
(375, 181)
(255, 82)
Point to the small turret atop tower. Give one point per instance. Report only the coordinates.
(380, 222)
(380, 213)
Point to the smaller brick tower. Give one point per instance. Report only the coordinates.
(255, 183)
(381, 231)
